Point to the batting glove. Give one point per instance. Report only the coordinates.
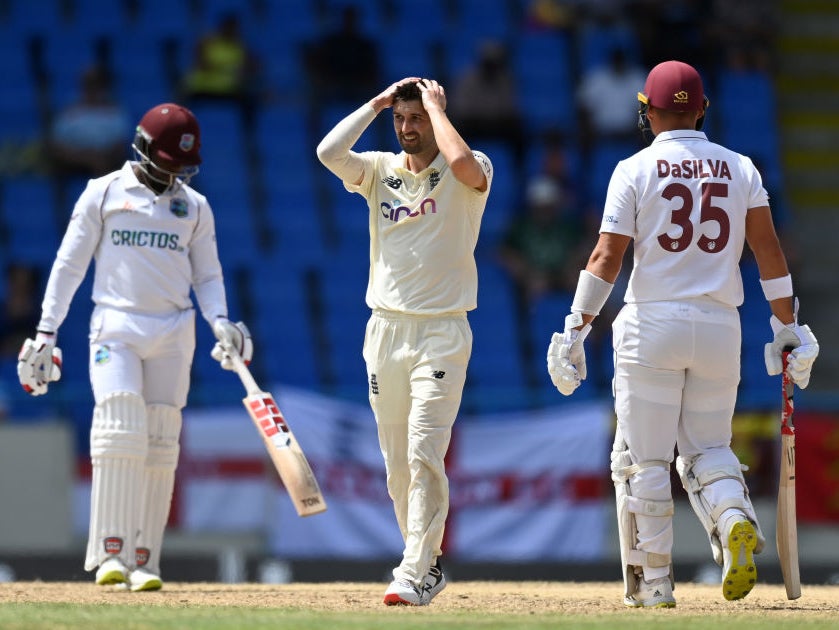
(567, 357)
(39, 363)
(804, 351)
(231, 337)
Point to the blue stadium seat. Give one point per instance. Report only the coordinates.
(604, 158)
(295, 20)
(27, 210)
(505, 196)
(283, 330)
(596, 41)
(497, 378)
(543, 65)
(750, 130)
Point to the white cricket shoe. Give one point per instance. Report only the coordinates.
(434, 582)
(143, 580)
(657, 593)
(739, 573)
(112, 571)
(405, 593)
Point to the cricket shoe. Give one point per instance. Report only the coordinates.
(402, 592)
(112, 571)
(739, 573)
(657, 593)
(142, 580)
(434, 582)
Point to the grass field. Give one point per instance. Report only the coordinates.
(466, 605)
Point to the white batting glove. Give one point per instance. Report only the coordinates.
(804, 351)
(567, 357)
(235, 337)
(39, 363)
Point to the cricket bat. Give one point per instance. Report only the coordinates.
(786, 531)
(282, 446)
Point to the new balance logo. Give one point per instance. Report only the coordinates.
(438, 374)
(393, 182)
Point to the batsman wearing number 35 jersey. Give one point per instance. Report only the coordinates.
(689, 206)
(153, 239)
(425, 208)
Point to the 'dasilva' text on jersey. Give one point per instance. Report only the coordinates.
(684, 201)
(150, 250)
(423, 232)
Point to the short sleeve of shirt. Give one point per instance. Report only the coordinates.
(621, 202)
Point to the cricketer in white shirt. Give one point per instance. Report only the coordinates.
(424, 209)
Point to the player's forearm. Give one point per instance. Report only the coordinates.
(334, 150)
(456, 152)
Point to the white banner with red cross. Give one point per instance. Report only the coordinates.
(525, 486)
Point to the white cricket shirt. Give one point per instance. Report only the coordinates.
(423, 232)
(684, 201)
(150, 250)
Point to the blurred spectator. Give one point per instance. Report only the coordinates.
(679, 29)
(484, 103)
(20, 310)
(559, 15)
(343, 64)
(749, 28)
(542, 248)
(89, 137)
(542, 251)
(607, 100)
(224, 69)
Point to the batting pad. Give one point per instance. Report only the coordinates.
(158, 482)
(118, 447)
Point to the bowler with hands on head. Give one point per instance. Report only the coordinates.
(425, 206)
(689, 205)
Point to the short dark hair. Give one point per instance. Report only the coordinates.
(407, 92)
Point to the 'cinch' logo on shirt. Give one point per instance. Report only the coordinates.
(395, 212)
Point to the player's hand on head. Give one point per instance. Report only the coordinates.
(39, 363)
(804, 348)
(433, 94)
(567, 359)
(385, 98)
(231, 338)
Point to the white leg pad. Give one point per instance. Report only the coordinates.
(158, 483)
(633, 560)
(118, 446)
(714, 483)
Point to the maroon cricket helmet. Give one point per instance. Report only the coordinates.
(172, 133)
(674, 86)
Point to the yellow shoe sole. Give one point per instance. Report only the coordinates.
(111, 577)
(742, 574)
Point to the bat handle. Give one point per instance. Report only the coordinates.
(240, 367)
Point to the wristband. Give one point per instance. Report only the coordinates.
(777, 288)
(592, 293)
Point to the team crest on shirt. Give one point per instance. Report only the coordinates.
(434, 179)
(102, 355)
(179, 207)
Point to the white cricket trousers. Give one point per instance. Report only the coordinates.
(677, 368)
(416, 369)
(147, 355)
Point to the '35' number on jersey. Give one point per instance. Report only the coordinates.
(708, 213)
